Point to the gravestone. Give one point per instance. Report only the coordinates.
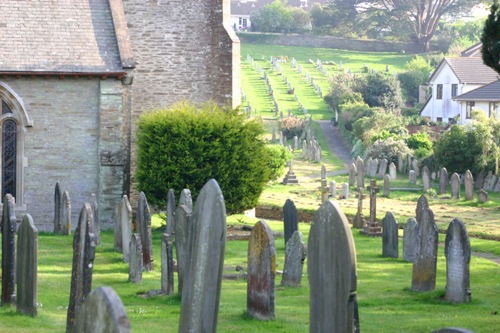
(382, 170)
(261, 272)
(455, 186)
(409, 163)
(415, 167)
(482, 196)
(8, 228)
(443, 180)
(352, 174)
(290, 177)
(170, 227)
(368, 166)
(374, 168)
(182, 233)
(135, 263)
(412, 177)
(489, 182)
(424, 267)
(333, 189)
(360, 168)
(202, 281)
(332, 272)
(496, 189)
(57, 209)
(372, 228)
(323, 172)
(479, 180)
(387, 186)
(393, 171)
(457, 251)
(400, 163)
(422, 204)
(125, 221)
(410, 238)
(96, 224)
(84, 244)
(27, 267)
(426, 179)
(345, 191)
(167, 264)
(290, 219)
(324, 190)
(295, 254)
(469, 185)
(102, 312)
(389, 236)
(143, 218)
(304, 149)
(65, 217)
(359, 222)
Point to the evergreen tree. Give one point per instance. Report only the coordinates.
(491, 39)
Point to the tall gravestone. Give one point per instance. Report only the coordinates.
(359, 221)
(144, 229)
(345, 191)
(352, 174)
(135, 263)
(410, 238)
(102, 311)
(412, 177)
(202, 283)
(478, 184)
(426, 178)
(125, 221)
(295, 254)
(469, 185)
(170, 211)
(261, 272)
(332, 272)
(457, 251)
(382, 170)
(374, 168)
(65, 217)
(167, 265)
(387, 186)
(455, 186)
(84, 243)
(27, 267)
(390, 236)
(401, 168)
(424, 267)
(422, 204)
(57, 208)
(360, 168)
(393, 171)
(415, 167)
(96, 225)
(443, 180)
(8, 250)
(182, 233)
(372, 228)
(290, 218)
(333, 189)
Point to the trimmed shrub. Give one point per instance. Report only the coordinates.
(419, 140)
(185, 146)
(278, 157)
(388, 149)
(291, 126)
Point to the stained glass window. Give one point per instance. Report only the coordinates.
(9, 160)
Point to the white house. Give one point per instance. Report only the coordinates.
(485, 98)
(454, 77)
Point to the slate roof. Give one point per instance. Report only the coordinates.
(469, 70)
(473, 51)
(63, 36)
(489, 92)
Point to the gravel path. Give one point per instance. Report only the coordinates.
(335, 143)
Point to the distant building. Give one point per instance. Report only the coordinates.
(485, 98)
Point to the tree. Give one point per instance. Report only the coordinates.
(279, 17)
(491, 39)
(381, 90)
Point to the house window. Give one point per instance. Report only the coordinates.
(493, 109)
(439, 119)
(468, 109)
(454, 90)
(439, 91)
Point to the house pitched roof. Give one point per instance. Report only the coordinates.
(469, 70)
(64, 36)
(472, 51)
(489, 92)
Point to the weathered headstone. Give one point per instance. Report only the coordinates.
(390, 236)
(489, 182)
(135, 263)
(469, 185)
(345, 191)
(400, 163)
(410, 238)
(372, 228)
(323, 172)
(27, 267)
(352, 174)
(182, 233)
(368, 166)
(295, 254)
(422, 204)
(424, 267)
(101, 312)
(57, 209)
(412, 177)
(143, 218)
(8, 228)
(443, 180)
(65, 217)
(482, 196)
(359, 221)
(202, 283)
(170, 209)
(290, 177)
(125, 221)
(167, 265)
(455, 186)
(479, 180)
(374, 168)
(393, 171)
(333, 189)
(261, 272)
(290, 219)
(96, 224)
(382, 170)
(360, 169)
(387, 186)
(332, 272)
(84, 244)
(426, 179)
(415, 167)
(457, 251)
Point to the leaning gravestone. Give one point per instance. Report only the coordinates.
(424, 267)
(144, 230)
(443, 180)
(96, 226)
(457, 251)
(469, 185)
(125, 221)
(455, 186)
(27, 267)
(84, 244)
(295, 254)
(360, 168)
(290, 219)
(135, 263)
(426, 179)
(261, 272)
(182, 234)
(8, 228)
(389, 236)
(167, 265)
(410, 238)
(102, 312)
(332, 272)
(65, 217)
(482, 196)
(57, 209)
(202, 283)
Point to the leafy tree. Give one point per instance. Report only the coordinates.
(491, 39)
(366, 127)
(381, 90)
(279, 17)
(388, 149)
(342, 91)
(332, 16)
